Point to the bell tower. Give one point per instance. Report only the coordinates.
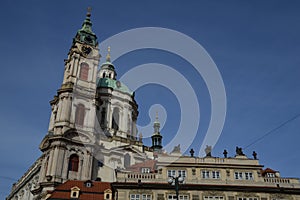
(68, 146)
(156, 137)
(72, 107)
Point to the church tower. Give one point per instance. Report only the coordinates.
(118, 110)
(93, 119)
(156, 137)
(67, 148)
(92, 130)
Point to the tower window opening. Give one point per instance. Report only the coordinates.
(115, 119)
(84, 71)
(103, 117)
(46, 165)
(79, 115)
(127, 159)
(74, 163)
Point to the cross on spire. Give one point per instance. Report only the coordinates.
(89, 9)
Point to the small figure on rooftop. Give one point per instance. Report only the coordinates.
(225, 153)
(192, 152)
(239, 151)
(208, 151)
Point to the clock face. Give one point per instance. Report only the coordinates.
(86, 50)
(88, 39)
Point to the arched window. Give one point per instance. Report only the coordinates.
(127, 159)
(73, 163)
(128, 124)
(103, 118)
(46, 165)
(79, 115)
(84, 71)
(115, 119)
(104, 75)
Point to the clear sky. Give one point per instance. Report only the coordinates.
(255, 45)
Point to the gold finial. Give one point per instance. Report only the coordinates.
(108, 54)
(89, 9)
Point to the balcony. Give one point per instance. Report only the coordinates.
(280, 180)
(133, 177)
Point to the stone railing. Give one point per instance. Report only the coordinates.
(281, 180)
(133, 177)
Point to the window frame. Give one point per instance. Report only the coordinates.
(140, 196)
(181, 173)
(84, 71)
(80, 114)
(145, 170)
(180, 197)
(247, 198)
(248, 176)
(213, 198)
(210, 174)
(171, 172)
(73, 163)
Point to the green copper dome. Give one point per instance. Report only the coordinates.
(114, 84)
(108, 65)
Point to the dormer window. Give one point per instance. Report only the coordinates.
(75, 192)
(270, 175)
(145, 170)
(88, 184)
(107, 194)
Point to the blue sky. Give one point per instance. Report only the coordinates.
(254, 44)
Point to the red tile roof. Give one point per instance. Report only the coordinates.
(146, 164)
(96, 191)
(268, 170)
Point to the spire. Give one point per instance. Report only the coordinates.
(87, 24)
(156, 124)
(108, 69)
(108, 55)
(156, 137)
(85, 34)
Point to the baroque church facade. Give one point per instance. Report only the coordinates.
(92, 138)
(92, 129)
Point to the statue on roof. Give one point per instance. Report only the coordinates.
(140, 137)
(176, 149)
(225, 153)
(239, 151)
(208, 151)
